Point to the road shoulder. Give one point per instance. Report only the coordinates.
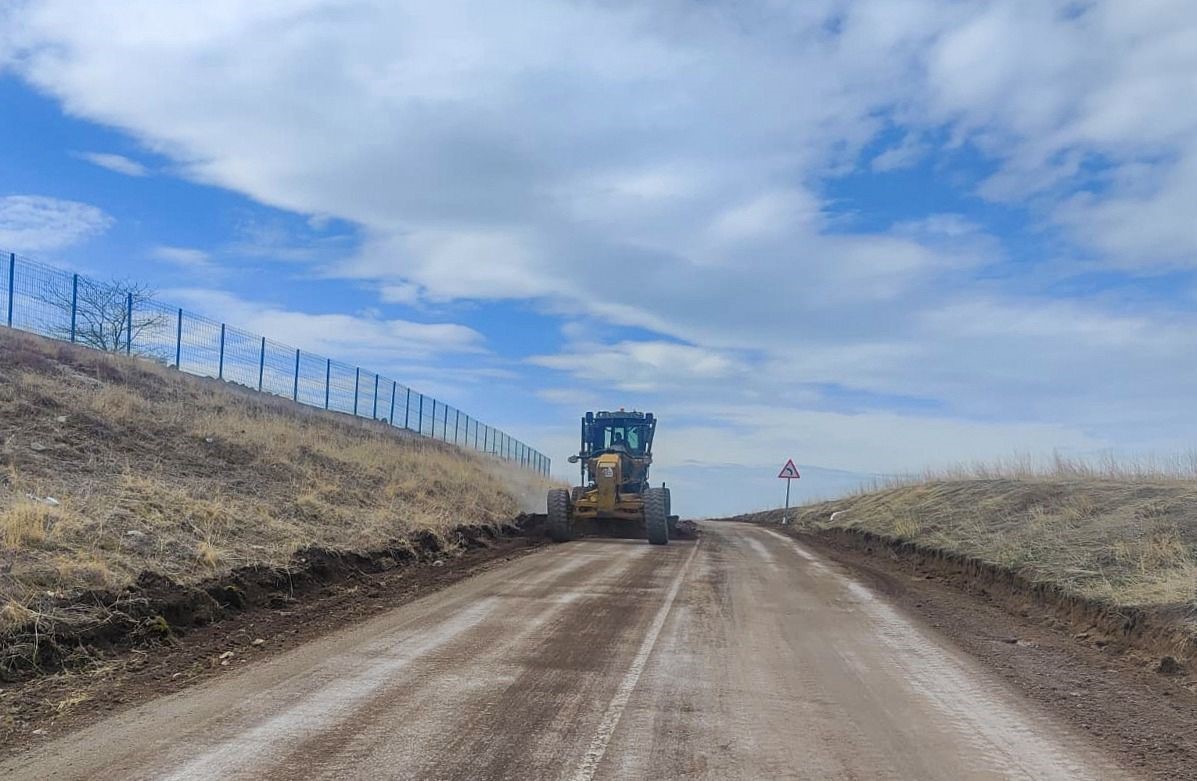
(50, 706)
(1145, 719)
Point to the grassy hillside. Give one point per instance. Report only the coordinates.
(112, 466)
(1127, 538)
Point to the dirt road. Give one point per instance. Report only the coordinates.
(741, 656)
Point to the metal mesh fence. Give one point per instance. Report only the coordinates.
(122, 318)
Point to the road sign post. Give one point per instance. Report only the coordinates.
(788, 472)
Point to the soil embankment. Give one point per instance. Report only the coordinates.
(1111, 560)
(138, 503)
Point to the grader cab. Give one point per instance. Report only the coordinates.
(615, 456)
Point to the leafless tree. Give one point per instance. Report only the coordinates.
(102, 314)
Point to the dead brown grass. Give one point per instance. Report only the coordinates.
(1129, 539)
(25, 523)
(113, 466)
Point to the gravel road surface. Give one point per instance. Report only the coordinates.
(741, 655)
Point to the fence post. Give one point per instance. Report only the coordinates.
(261, 364)
(421, 421)
(391, 417)
(12, 283)
(357, 376)
(433, 431)
(456, 425)
(129, 323)
(295, 387)
(407, 410)
(327, 379)
(220, 363)
(74, 304)
(475, 435)
(486, 440)
(445, 424)
(179, 341)
(374, 411)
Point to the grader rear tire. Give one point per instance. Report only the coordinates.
(561, 527)
(656, 516)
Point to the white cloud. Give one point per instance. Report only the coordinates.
(766, 215)
(664, 168)
(571, 398)
(184, 257)
(369, 340)
(763, 436)
(116, 163)
(34, 223)
(905, 154)
(1147, 223)
(463, 263)
(641, 366)
(1106, 84)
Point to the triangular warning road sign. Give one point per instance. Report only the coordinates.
(789, 471)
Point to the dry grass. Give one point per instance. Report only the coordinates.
(1126, 536)
(14, 615)
(153, 470)
(1153, 468)
(25, 523)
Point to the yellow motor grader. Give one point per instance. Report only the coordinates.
(615, 456)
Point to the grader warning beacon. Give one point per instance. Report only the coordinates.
(615, 456)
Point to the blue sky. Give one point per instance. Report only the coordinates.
(875, 236)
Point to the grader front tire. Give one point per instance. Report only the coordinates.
(561, 528)
(656, 516)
